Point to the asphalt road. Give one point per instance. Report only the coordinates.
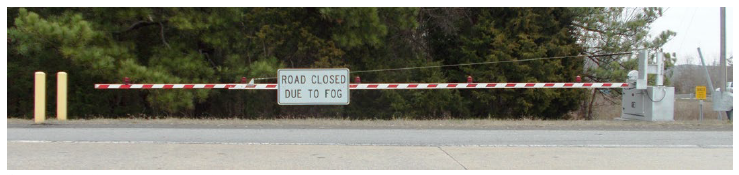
(68, 155)
(394, 137)
(210, 148)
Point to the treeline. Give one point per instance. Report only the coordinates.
(221, 45)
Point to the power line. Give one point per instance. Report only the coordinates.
(490, 62)
(478, 63)
(688, 29)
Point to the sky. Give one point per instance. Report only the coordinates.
(695, 27)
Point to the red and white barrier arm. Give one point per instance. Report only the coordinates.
(485, 85)
(372, 86)
(181, 86)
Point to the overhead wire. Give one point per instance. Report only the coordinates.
(489, 62)
(688, 28)
(477, 63)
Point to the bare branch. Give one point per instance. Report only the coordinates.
(161, 26)
(137, 25)
(587, 29)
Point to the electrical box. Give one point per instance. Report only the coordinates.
(634, 104)
(656, 103)
(650, 103)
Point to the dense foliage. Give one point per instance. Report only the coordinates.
(221, 45)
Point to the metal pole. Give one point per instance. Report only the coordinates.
(660, 68)
(701, 102)
(719, 115)
(722, 81)
(715, 98)
(708, 76)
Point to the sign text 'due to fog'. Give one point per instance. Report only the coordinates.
(313, 86)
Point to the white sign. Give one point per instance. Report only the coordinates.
(313, 86)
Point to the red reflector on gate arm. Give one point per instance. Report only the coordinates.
(471, 85)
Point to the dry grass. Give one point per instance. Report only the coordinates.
(685, 110)
(385, 124)
(690, 110)
(687, 113)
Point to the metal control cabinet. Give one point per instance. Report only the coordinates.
(634, 104)
(643, 102)
(656, 103)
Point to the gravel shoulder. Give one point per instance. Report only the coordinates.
(611, 125)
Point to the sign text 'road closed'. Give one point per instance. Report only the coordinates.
(313, 86)
(700, 92)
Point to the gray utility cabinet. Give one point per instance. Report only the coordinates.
(656, 103)
(643, 102)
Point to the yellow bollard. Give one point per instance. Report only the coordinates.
(61, 96)
(39, 89)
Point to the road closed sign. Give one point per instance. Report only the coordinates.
(700, 92)
(313, 86)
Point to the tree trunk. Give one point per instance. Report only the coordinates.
(590, 107)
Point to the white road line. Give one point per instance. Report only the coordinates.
(365, 144)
